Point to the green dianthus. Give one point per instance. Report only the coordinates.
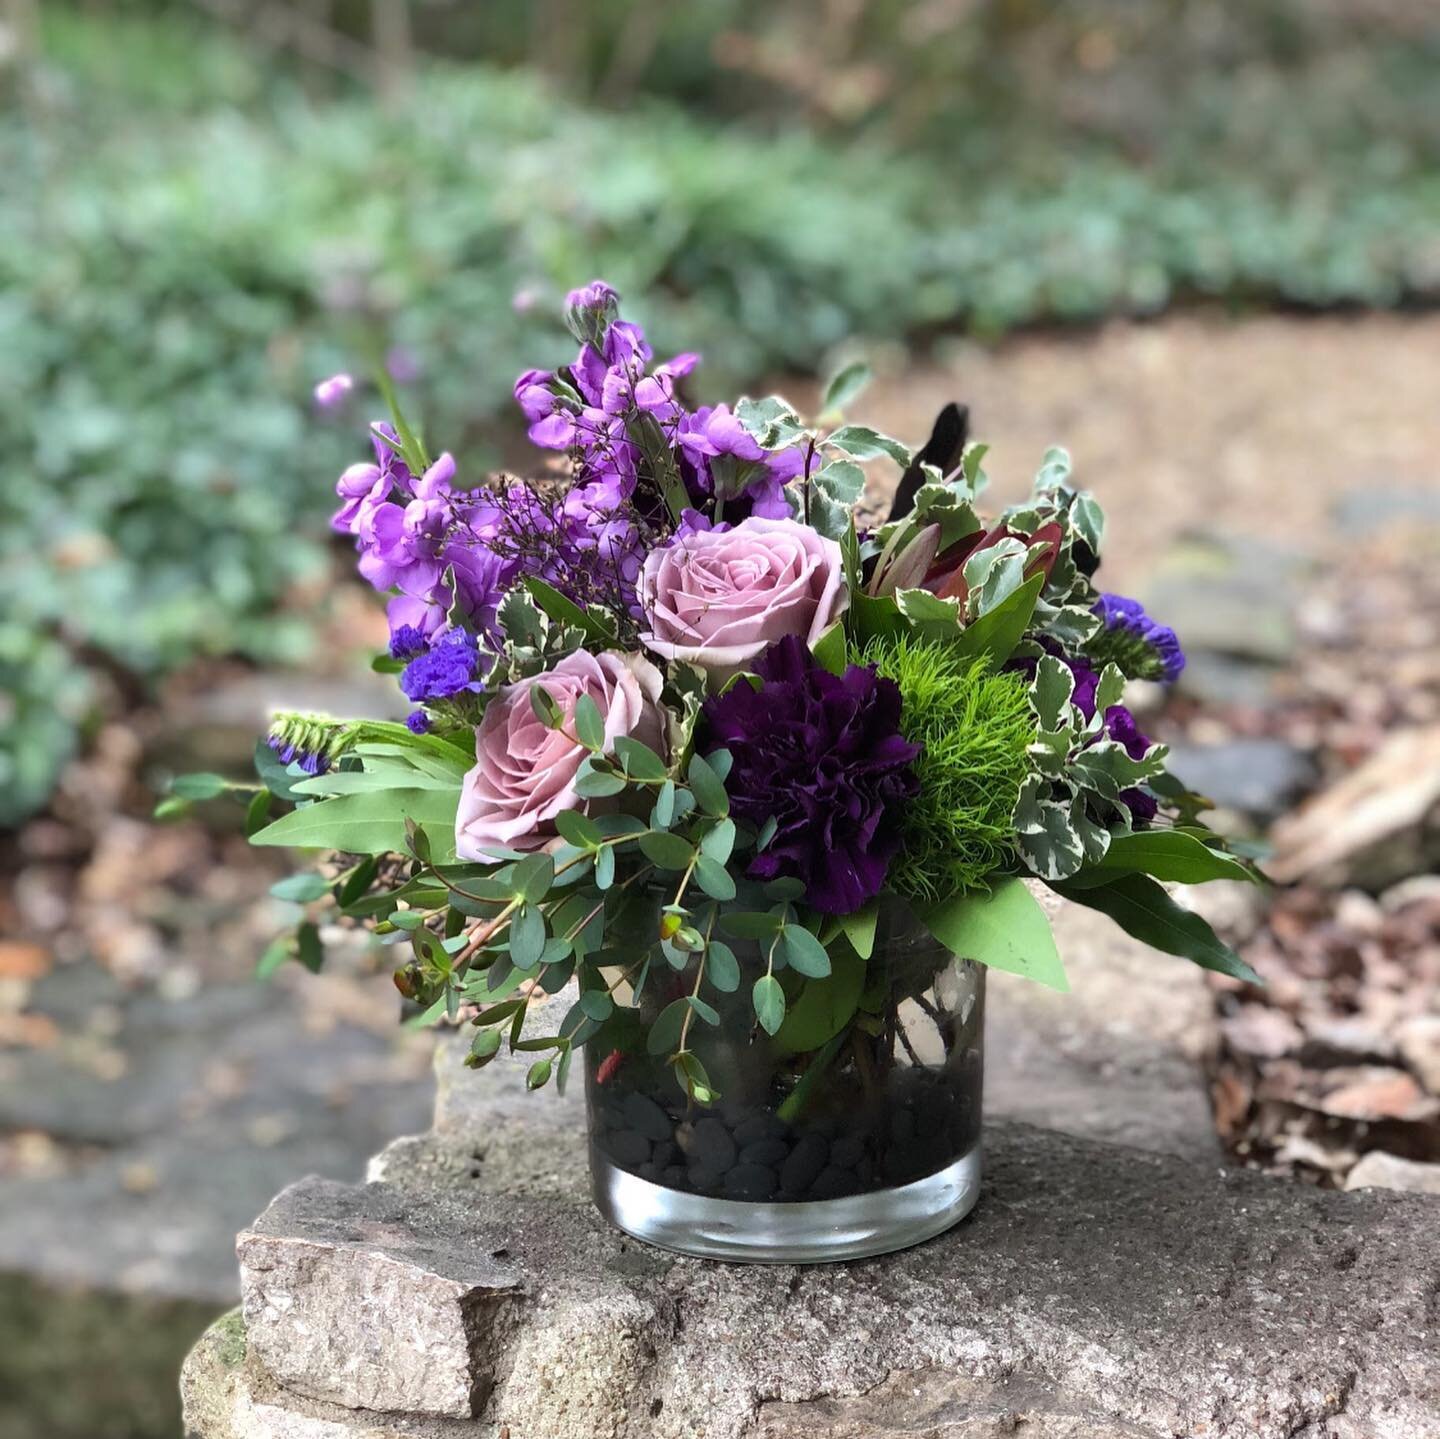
(973, 728)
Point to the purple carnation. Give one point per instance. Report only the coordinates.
(451, 666)
(822, 755)
(1143, 648)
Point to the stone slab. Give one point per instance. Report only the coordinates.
(1119, 1057)
(1115, 1291)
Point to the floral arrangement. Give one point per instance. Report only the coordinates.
(685, 724)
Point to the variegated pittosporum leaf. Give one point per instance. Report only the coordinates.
(532, 640)
(831, 495)
(1070, 806)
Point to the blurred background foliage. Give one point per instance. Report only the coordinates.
(193, 231)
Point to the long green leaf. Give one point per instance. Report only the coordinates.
(1002, 929)
(452, 766)
(1140, 906)
(824, 1006)
(1167, 854)
(368, 781)
(996, 633)
(565, 611)
(369, 823)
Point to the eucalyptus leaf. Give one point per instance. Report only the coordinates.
(722, 969)
(589, 724)
(666, 850)
(706, 786)
(714, 879)
(718, 842)
(804, 953)
(527, 936)
(665, 1031)
(640, 761)
(769, 1001)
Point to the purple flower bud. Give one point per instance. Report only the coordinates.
(590, 311)
(417, 722)
(331, 394)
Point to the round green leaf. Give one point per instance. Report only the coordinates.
(714, 878)
(769, 1003)
(666, 850)
(527, 936)
(721, 967)
(640, 761)
(804, 952)
(706, 785)
(578, 828)
(199, 786)
(589, 726)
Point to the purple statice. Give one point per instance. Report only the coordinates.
(1141, 647)
(417, 722)
(451, 666)
(731, 468)
(407, 641)
(822, 755)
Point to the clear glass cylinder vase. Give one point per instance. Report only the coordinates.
(861, 1144)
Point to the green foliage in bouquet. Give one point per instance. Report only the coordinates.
(685, 743)
(974, 729)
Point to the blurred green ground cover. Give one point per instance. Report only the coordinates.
(188, 241)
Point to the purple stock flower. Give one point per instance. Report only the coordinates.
(1143, 648)
(591, 310)
(451, 666)
(365, 487)
(821, 755)
(730, 465)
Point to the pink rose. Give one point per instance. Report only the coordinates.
(525, 772)
(717, 598)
